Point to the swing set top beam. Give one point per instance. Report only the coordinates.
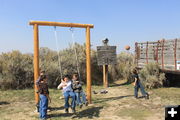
(61, 24)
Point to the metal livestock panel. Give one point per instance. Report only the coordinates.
(164, 52)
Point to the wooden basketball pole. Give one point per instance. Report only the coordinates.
(105, 76)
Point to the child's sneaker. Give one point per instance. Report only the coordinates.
(66, 110)
(136, 97)
(73, 110)
(86, 104)
(147, 96)
(80, 106)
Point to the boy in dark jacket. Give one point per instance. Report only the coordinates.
(42, 74)
(77, 88)
(44, 97)
(137, 84)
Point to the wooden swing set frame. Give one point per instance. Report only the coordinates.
(36, 25)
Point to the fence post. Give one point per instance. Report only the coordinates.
(157, 51)
(175, 59)
(147, 53)
(162, 53)
(136, 54)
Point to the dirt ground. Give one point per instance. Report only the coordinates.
(117, 104)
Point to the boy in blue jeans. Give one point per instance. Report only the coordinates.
(42, 74)
(77, 88)
(137, 84)
(44, 97)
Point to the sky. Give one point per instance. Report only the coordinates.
(123, 22)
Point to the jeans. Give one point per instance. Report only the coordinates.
(80, 101)
(82, 94)
(43, 106)
(78, 98)
(67, 94)
(136, 88)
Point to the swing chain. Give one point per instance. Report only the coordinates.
(59, 57)
(75, 52)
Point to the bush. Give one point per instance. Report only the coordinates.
(15, 70)
(151, 77)
(49, 62)
(123, 68)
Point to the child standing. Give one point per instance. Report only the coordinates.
(77, 88)
(42, 74)
(44, 97)
(137, 84)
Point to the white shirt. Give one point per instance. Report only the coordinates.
(67, 87)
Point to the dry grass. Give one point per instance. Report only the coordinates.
(118, 104)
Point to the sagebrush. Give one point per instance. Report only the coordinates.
(151, 76)
(16, 69)
(123, 68)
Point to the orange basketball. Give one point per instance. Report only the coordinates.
(127, 47)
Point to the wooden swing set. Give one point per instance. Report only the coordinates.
(36, 25)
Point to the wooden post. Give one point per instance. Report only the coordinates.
(157, 51)
(136, 54)
(175, 52)
(36, 60)
(104, 80)
(88, 64)
(147, 53)
(105, 75)
(162, 53)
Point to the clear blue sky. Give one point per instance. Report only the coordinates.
(122, 21)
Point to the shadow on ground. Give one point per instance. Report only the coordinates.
(60, 115)
(87, 113)
(56, 108)
(116, 85)
(4, 103)
(111, 98)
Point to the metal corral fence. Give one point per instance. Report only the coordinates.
(164, 52)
